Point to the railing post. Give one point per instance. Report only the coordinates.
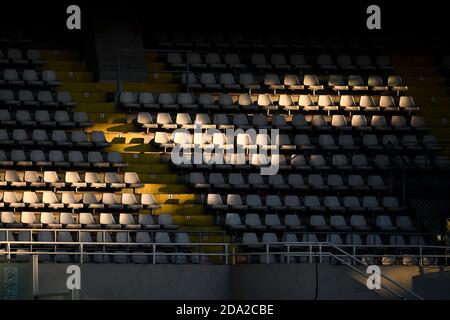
(310, 253)
(267, 253)
(35, 261)
(226, 253)
(154, 253)
(320, 253)
(420, 257)
(82, 253)
(233, 257)
(288, 253)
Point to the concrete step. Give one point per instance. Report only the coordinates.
(98, 107)
(65, 66)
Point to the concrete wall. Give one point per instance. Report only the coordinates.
(113, 281)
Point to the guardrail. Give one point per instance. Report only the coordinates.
(226, 253)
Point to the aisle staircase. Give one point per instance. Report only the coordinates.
(97, 99)
(431, 91)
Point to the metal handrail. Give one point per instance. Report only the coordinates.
(381, 274)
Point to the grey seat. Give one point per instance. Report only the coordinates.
(293, 222)
(166, 222)
(233, 221)
(253, 222)
(318, 223)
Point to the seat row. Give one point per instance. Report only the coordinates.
(85, 220)
(297, 161)
(265, 102)
(339, 122)
(293, 181)
(355, 239)
(277, 61)
(247, 81)
(121, 257)
(59, 138)
(283, 142)
(79, 200)
(18, 57)
(263, 41)
(59, 158)
(309, 203)
(44, 118)
(42, 99)
(253, 221)
(29, 77)
(72, 179)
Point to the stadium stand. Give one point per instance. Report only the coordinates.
(88, 164)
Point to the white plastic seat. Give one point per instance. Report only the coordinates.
(127, 221)
(339, 122)
(33, 179)
(74, 179)
(52, 179)
(130, 201)
(292, 82)
(31, 200)
(107, 220)
(149, 202)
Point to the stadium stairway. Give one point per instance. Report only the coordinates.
(431, 91)
(97, 100)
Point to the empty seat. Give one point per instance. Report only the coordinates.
(313, 203)
(253, 222)
(233, 221)
(293, 222)
(208, 80)
(255, 203)
(385, 223)
(318, 223)
(339, 223)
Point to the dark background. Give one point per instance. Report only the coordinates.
(423, 20)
